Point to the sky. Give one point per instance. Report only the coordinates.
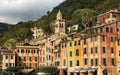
(14, 11)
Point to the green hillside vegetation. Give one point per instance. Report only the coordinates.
(4, 27)
(82, 12)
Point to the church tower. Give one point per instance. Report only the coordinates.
(59, 23)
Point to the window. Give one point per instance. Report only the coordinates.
(111, 39)
(111, 30)
(101, 29)
(104, 51)
(84, 51)
(11, 57)
(49, 57)
(35, 58)
(96, 61)
(112, 50)
(75, 43)
(112, 61)
(35, 64)
(103, 38)
(119, 52)
(114, 16)
(78, 42)
(77, 63)
(57, 63)
(85, 61)
(64, 63)
(91, 50)
(104, 61)
(91, 62)
(28, 51)
(70, 63)
(24, 58)
(96, 49)
(118, 42)
(6, 64)
(10, 64)
(107, 29)
(30, 58)
(71, 73)
(70, 53)
(96, 30)
(18, 50)
(22, 51)
(77, 52)
(62, 45)
(60, 25)
(65, 45)
(34, 51)
(84, 41)
(6, 57)
(70, 44)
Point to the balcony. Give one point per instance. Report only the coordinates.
(57, 50)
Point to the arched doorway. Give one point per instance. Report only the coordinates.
(65, 72)
(105, 72)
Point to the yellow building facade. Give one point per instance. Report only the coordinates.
(74, 56)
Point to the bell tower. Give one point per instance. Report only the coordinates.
(59, 23)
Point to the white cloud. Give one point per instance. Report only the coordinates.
(13, 11)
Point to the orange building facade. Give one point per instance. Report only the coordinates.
(27, 56)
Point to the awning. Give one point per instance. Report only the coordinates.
(52, 39)
(92, 70)
(76, 70)
(26, 70)
(56, 50)
(41, 73)
(83, 70)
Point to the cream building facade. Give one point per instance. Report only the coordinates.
(7, 59)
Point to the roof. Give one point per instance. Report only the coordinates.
(27, 44)
(111, 11)
(6, 51)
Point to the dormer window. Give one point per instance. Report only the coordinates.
(108, 16)
(103, 19)
(114, 16)
(62, 25)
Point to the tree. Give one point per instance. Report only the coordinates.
(47, 69)
(85, 17)
(21, 32)
(10, 42)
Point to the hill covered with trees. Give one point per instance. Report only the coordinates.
(71, 10)
(4, 27)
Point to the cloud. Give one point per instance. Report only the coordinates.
(13, 11)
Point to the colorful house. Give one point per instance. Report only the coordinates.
(27, 55)
(7, 59)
